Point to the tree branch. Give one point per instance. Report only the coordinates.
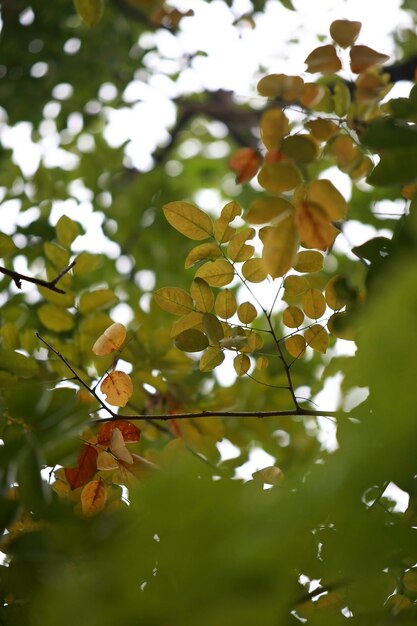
(48, 284)
(192, 415)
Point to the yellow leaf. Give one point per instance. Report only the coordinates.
(106, 461)
(55, 318)
(292, 317)
(118, 446)
(67, 230)
(225, 304)
(216, 273)
(211, 358)
(222, 231)
(241, 363)
(262, 363)
(202, 252)
(98, 299)
(322, 129)
(269, 475)
(93, 498)
(325, 194)
(188, 220)
(112, 338)
(346, 153)
(266, 209)
(280, 86)
(301, 148)
(341, 99)
(237, 250)
(191, 320)
(295, 285)
(274, 126)
(246, 312)
(280, 247)
(317, 338)
(323, 59)
(230, 211)
(308, 261)
(174, 300)
(296, 346)
(335, 298)
(314, 227)
(118, 388)
(314, 303)
(362, 58)
(191, 340)
(345, 32)
(279, 176)
(212, 328)
(202, 295)
(90, 11)
(254, 342)
(254, 270)
(58, 256)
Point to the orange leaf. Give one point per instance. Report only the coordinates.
(362, 58)
(93, 498)
(245, 162)
(129, 431)
(86, 467)
(118, 388)
(323, 59)
(110, 340)
(314, 227)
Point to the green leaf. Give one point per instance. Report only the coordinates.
(67, 230)
(18, 363)
(396, 167)
(317, 338)
(241, 363)
(374, 250)
(390, 133)
(188, 220)
(174, 300)
(55, 318)
(308, 261)
(191, 341)
(86, 263)
(7, 246)
(212, 328)
(314, 303)
(211, 358)
(301, 148)
(216, 273)
(99, 299)
(90, 11)
(58, 256)
(34, 491)
(288, 4)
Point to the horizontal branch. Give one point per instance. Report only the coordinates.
(17, 278)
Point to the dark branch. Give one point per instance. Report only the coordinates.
(48, 284)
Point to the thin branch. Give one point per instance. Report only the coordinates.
(48, 284)
(178, 416)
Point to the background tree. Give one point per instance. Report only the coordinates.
(118, 503)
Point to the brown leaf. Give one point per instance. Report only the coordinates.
(314, 227)
(112, 338)
(323, 59)
(362, 58)
(129, 431)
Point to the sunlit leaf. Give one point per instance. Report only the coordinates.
(188, 220)
(325, 194)
(245, 162)
(301, 148)
(246, 312)
(295, 285)
(280, 247)
(262, 363)
(317, 338)
(322, 129)
(345, 32)
(202, 252)
(296, 346)
(274, 126)
(314, 303)
(118, 388)
(174, 300)
(230, 211)
(222, 230)
(56, 318)
(212, 328)
(279, 177)
(280, 86)
(237, 250)
(87, 263)
(93, 498)
(67, 230)
(58, 256)
(118, 446)
(362, 58)
(211, 358)
(241, 363)
(292, 317)
(106, 461)
(202, 295)
(216, 273)
(263, 210)
(191, 320)
(323, 59)
(225, 304)
(112, 338)
(308, 261)
(254, 270)
(313, 95)
(85, 469)
(314, 227)
(98, 299)
(191, 340)
(254, 342)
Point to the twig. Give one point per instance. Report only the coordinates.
(177, 416)
(48, 284)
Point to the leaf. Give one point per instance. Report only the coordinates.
(7, 246)
(212, 328)
(93, 498)
(230, 211)
(237, 250)
(314, 227)
(325, 194)
(295, 285)
(254, 342)
(317, 338)
(336, 298)
(202, 252)
(85, 469)
(129, 431)
(245, 162)
(202, 295)
(17, 363)
(323, 59)
(211, 358)
(313, 97)
(191, 320)
(322, 129)
(274, 126)
(410, 580)
(111, 340)
(55, 318)
(340, 325)
(67, 230)
(246, 312)
(341, 99)
(58, 256)
(225, 304)
(281, 86)
(90, 11)
(266, 209)
(374, 250)
(106, 461)
(118, 388)
(95, 300)
(222, 231)
(296, 346)
(118, 447)
(188, 220)
(262, 363)
(216, 273)
(279, 177)
(345, 32)
(396, 167)
(269, 475)
(292, 317)
(280, 247)
(390, 133)
(254, 270)
(314, 303)
(86, 263)
(241, 363)
(191, 341)
(308, 261)
(301, 148)
(174, 300)
(362, 58)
